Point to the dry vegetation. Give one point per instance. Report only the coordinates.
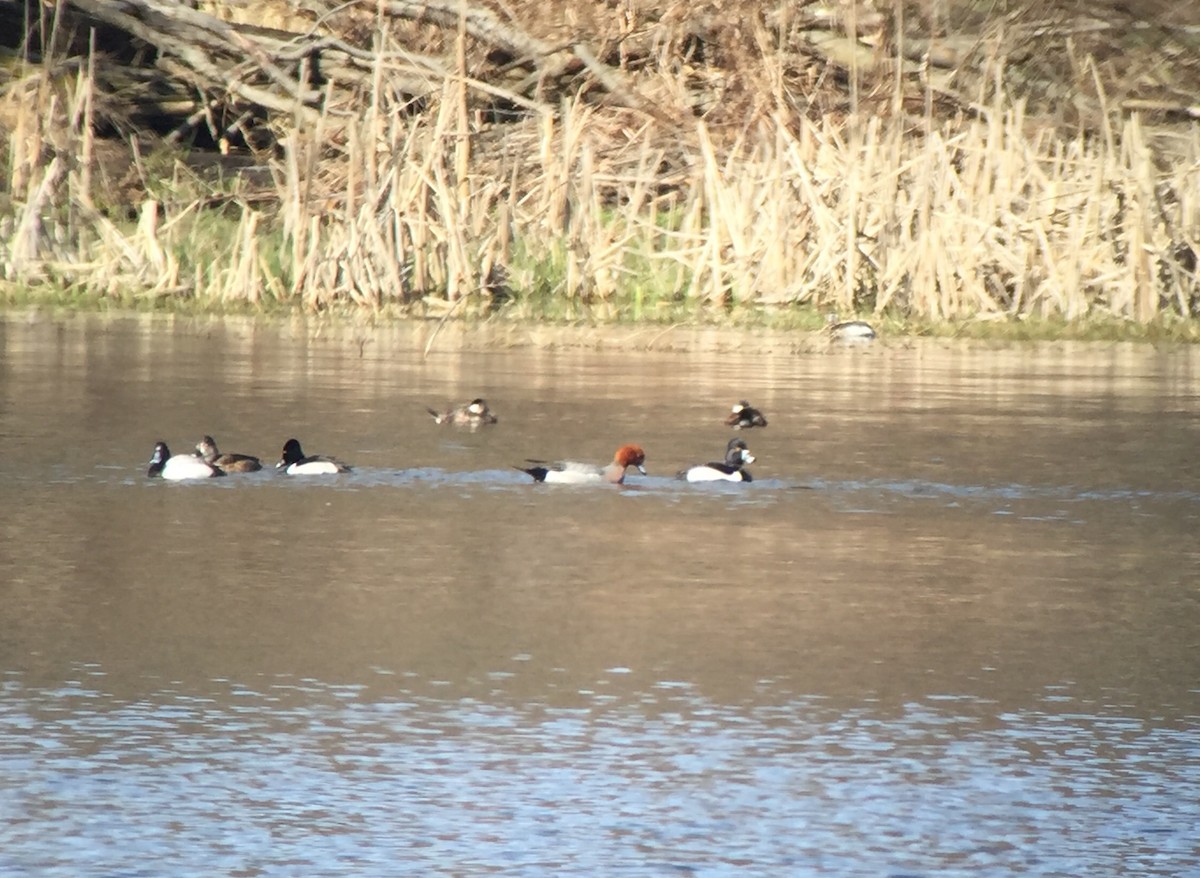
(947, 161)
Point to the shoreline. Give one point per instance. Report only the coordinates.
(430, 335)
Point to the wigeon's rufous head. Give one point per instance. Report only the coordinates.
(631, 455)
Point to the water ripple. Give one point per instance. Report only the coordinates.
(301, 778)
(849, 495)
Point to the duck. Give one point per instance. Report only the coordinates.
(743, 416)
(470, 414)
(179, 466)
(574, 472)
(849, 330)
(737, 456)
(295, 463)
(206, 450)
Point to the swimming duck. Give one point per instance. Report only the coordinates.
(575, 472)
(737, 455)
(849, 330)
(743, 416)
(180, 466)
(207, 450)
(470, 414)
(295, 463)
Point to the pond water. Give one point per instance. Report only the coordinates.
(952, 627)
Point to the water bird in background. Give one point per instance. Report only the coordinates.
(743, 416)
(207, 450)
(737, 456)
(849, 330)
(179, 466)
(573, 472)
(471, 414)
(295, 463)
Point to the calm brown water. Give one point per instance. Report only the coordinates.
(950, 629)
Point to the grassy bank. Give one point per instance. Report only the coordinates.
(985, 222)
(805, 327)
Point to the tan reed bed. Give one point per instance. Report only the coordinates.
(983, 218)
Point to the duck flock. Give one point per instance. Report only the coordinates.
(207, 461)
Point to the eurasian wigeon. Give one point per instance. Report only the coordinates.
(470, 414)
(179, 466)
(295, 463)
(737, 456)
(575, 472)
(207, 450)
(743, 416)
(849, 330)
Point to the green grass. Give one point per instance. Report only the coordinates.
(55, 298)
(651, 291)
(543, 307)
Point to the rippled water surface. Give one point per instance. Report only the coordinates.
(952, 627)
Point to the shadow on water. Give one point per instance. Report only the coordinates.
(949, 628)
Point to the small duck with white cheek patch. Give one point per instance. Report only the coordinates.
(574, 472)
(177, 467)
(743, 416)
(473, 414)
(295, 463)
(732, 469)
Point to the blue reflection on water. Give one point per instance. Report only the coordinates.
(303, 778)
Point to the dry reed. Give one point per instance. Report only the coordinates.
(985, 217)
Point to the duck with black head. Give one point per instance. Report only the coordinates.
(178, 467)
(295, 462)
(731, 469)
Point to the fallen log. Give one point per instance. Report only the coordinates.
(299, 64)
